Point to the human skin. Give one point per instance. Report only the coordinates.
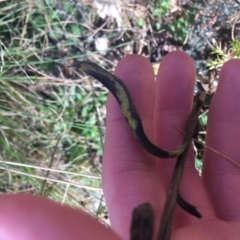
(131, 176)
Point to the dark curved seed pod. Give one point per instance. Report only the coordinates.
(117, 87)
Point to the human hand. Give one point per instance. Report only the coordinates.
(131, 176)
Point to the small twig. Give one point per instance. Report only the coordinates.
(173, 191)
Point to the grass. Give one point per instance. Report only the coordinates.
(52, 126)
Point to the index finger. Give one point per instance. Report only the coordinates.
(129, 173)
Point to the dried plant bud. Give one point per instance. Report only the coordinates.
(142, 225)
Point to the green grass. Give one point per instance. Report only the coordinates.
(49, 121)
